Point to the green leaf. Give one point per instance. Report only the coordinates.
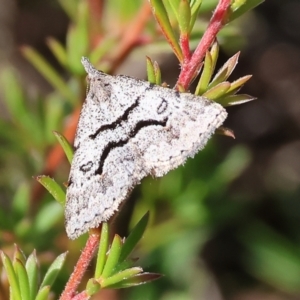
(157, 73)
(113, 257)
(70, 8)
(205, 75)
(43, 293)
(240, 7)
(103, 246)
(126, 264)
(23, 228)
(150, 70)
(134, 237)
(20, 201)
(195, 8)
(92, 287)
(184, 17)
(22, 279)
(48, 215)
(48, 72)
(32, 272)
(162, 18)
(175, 5)
(19, 255)
(275, 260)
(123, 11)
(226, 70)
(208, 69)
(217, 91)
(16, 103)
(68, 149)
(13, 93)
(55, 112)
(11, 276)
(235, 99)
(236, 4)
(78, 39)
(119, 277)
(214, 52)
(53, 188)
(231, 168)
(53, 270)
(237, 84)
(58, 50)
(135, 280)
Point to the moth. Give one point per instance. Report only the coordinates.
(129, 129)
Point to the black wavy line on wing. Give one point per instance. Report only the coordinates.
(112, 145)
(114, 124)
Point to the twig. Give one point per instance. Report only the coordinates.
(81, 296)
(190, 68)
(185, 46)
(81, 266)
(96, 9)
(131, 36)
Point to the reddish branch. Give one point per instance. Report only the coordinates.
(82, 296)
(85, 258)
(185, 47)
(131, 36)
(96, 8)
(190, 68)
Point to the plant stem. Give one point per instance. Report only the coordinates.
(81, 296)
(81, 266)
(96, 8)
(131, 36)
(184, 44)
(190, 68)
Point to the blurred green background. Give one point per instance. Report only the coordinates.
(223, 226)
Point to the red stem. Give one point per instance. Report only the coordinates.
(130, 36)
(81, 296)
(96, 8)
(185, 46)
(81, 266)
(190, 67)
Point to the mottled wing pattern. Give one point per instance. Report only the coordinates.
(129, 129)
